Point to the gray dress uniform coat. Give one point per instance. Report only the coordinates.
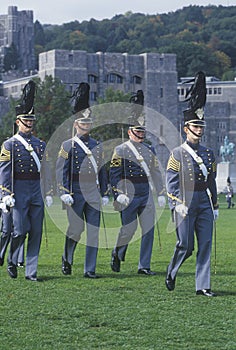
(76, 176)
(128, 176)
(19, 176)
(186, 184)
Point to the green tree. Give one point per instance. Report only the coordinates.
(51, 107)
(11, 58)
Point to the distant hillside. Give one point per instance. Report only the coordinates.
(203, 37)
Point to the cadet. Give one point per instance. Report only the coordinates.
(191, 189)
(229, 193)
(82, 180)
(134, 175)
(20, 168)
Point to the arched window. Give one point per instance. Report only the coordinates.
(113, 78)
(92, 79)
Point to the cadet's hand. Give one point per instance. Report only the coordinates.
(3, 207)
(105, 200)
(48, 201)
(8, 200)
(181, 209)
(67, 199)
(216, 214)
(123, 199)
(161, 201)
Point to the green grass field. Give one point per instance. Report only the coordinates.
(121, 310)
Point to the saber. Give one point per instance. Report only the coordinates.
(212, 208)
(104, 227)
(45, 230)
(158, 234)
(215, 246)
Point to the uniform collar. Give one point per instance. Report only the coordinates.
(194, 146)
(83, 137)
(25, 135)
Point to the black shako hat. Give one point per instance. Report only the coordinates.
(196, 98)
(25, 110)
(136, 119)
(80, 103)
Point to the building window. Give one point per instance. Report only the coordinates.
(161, 130)
(114, 78)
(161, 92)
(93, 96)
(70, 58)
(92, 78)
(210, 91)
(135, 79)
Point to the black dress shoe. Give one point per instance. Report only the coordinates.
(20, 264)
(170, 283)
(147, 272)
(12, 271)
(115, 261)
(33, 279)
(65, 267)
(206, 293)
(90, 274)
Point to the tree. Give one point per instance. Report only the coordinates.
(11, 58)
(51, 107)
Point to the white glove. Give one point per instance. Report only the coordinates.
(105, 200)
(216, 214)
(123, 199)
(9, 201)
(67, 199)
(161, 201)
(48, 201)
(3, 207)
(181, 209)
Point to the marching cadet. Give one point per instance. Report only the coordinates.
(82, 181)
(134, 177)
(21, 164)
(192, 194)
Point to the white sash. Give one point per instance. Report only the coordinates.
(197, 159)
(89, 154)
(142, 162)
(29, 148)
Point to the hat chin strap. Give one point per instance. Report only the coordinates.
(83, 129)
(194, 132)
(138, 137)
(27, 126)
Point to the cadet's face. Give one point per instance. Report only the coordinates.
(83, 128)
(194, 133)
(26, 127)
(135, 138)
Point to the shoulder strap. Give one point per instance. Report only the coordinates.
(29, 148)
(197, 159)
(89, 154)
(142, 162)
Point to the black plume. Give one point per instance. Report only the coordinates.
(28, 96)
(80, 97)
(137, 101)
(197, 92)
(27, 100)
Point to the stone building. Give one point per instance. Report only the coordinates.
(17, 27)
(153, 73)
(156, 75)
